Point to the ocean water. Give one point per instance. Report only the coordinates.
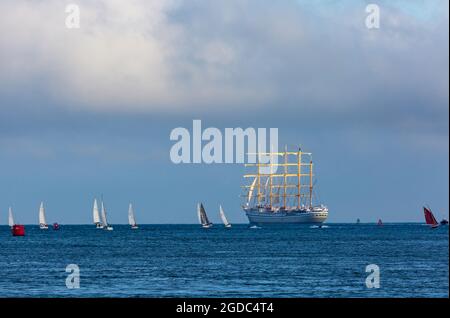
(187, 261)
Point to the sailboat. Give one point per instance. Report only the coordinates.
(104, 220)
(10, 218)
(223, 217)
(96, 216)
(202, 217)
(429, 218)
(358, 221)
(16, 229)
(131, 219)
(42, 223)
(380, 223)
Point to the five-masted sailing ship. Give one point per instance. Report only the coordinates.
(284, 196)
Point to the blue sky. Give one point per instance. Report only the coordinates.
(88, 111)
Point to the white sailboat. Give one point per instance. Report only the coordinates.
(224, 218)
(202, 217)
(131, 219)
(96, 216)
(42, 223)
(10, 218)
(104, 220)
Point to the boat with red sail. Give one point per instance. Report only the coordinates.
(429, 218)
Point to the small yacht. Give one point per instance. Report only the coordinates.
(429, 218)
(42, 223)
(106, 226)
(202, 217)
(131, 219)
(96, 216)
(224, 218)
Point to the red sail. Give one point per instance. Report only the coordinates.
(429, 217)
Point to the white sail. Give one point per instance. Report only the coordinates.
(199, 214)
(10, 217)
(131, 219)
(104, 221)
(223, 217)
(250, 192)
(42, 214)
(95, 213)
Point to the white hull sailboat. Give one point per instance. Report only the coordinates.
(96, 216)
(202, 217)
(106, 226)
(10, 218)
(224, 218)
(131, 219)
(42, 223)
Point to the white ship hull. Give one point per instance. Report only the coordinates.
(292, 217)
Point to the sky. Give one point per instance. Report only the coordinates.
(88, 112)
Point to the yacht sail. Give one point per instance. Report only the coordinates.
(223, 217)
(42, 223)
(104, 220)
(203, 218)
(96, 215)
(131, 219)
(10, 218)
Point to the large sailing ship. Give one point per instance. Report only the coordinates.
(284, 196)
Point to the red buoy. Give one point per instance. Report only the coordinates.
(18, 230)
(55, 226)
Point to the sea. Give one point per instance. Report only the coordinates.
(337, 260)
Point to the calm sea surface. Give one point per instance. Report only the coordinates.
(187, 261)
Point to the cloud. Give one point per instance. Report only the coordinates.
(171, 56)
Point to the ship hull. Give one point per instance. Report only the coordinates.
(261, 218)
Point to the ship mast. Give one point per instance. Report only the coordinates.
(272, 181)
(284, 178)
(310, 182)
(299, 184)
(270, 178)
(259, 180)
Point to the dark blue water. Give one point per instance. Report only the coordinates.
(187, 261)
